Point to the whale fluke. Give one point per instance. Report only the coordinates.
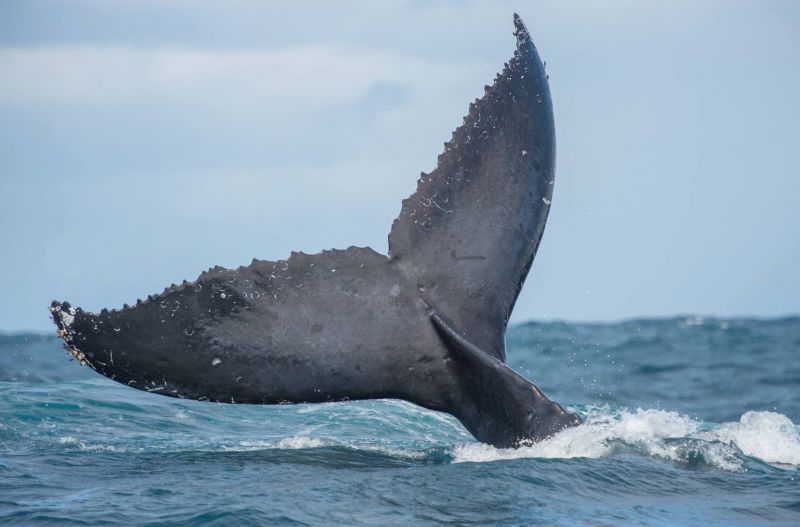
(425, 324)
(469, 233)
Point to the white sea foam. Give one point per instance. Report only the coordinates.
(287, 443)
(298, 442)
(88, 447)
(602, 432)
(767, 436)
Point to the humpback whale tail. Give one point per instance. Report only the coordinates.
(425, 323)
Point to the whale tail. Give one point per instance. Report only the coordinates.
(426, 324)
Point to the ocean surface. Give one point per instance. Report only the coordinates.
(689, 421)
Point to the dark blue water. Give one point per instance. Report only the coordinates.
(689, 422)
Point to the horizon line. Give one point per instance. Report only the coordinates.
(691, 318)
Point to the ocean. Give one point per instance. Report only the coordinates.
(689, 421)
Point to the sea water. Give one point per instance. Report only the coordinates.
(688, 421)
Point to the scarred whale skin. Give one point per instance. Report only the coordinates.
(425, 324)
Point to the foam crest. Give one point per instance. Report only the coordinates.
(601, 433)
(86, 446)
(768, 436)
(298, 442)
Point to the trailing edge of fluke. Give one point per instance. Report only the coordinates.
(426, 323)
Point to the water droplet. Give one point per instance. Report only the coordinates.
(216, 362)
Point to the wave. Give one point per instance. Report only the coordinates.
(760, 436)
(768, 437)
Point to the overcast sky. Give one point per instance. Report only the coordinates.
(144, 141)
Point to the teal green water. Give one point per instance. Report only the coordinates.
(688, 422)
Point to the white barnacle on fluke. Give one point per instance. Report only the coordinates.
(66, 317)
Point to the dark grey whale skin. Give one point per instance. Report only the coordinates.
(425, 324)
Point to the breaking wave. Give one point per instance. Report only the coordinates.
(765, 436)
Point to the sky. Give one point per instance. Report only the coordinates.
(144, 141)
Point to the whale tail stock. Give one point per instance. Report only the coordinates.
(426, 324)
